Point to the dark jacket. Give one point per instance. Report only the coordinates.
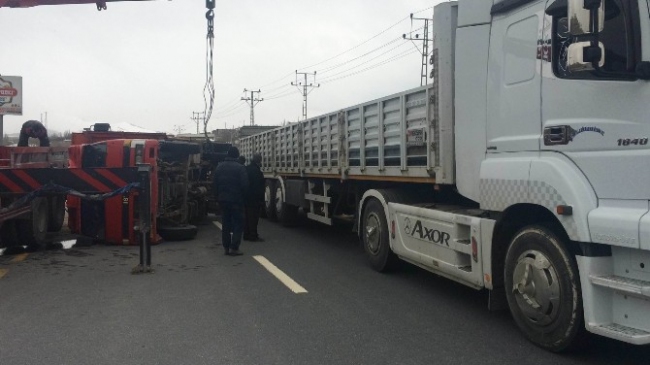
(255, 184)
(230, 181)
(33, 129)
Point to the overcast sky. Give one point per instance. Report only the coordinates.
(144, 63)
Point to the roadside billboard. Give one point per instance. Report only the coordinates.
(11, 95)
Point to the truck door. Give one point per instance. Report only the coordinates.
(514, 81)
(598, 117)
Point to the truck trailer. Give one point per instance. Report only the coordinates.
(521, 168)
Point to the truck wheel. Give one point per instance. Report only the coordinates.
(543, 288)
(269, 199)
(198, 211)
(203, 210)
(374, 236)
(32, 232)
(56, 213)
(177, 233)
(286, 214)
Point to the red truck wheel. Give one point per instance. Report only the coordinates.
(32, 232)
(56, 213)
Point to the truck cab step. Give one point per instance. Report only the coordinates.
(622, 333)
(633, 287)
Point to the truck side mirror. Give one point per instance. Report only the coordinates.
(580, 16)
(581, 56)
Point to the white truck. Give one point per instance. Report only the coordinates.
(523, 168)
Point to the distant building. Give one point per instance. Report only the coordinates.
(249, 130)
(233, 135)
(193, 136)
(224, 135)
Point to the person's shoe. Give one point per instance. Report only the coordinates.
(246, 238)
(236, 253)
(226, 251)
(258, 239)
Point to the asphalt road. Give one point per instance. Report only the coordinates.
(83, 306)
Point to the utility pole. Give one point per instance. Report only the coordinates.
(252, 101)
(424, 73)
(304, 91)
(197, 117)
(178, 129)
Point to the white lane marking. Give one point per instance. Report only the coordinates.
(280, 275)
(218, 225)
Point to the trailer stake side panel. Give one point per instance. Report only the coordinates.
(392, 138)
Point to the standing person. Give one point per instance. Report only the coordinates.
(254, 198)
(230, 187)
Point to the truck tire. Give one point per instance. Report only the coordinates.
(543, 288)
(177, 233)
(203, 210)
(198, 211)
(32, 232)
(56, 213)
(286, 214)
(269, 200)
(374, 236)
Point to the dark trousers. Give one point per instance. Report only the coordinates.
(232, 216)
(252, 219)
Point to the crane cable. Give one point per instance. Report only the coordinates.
(208, 89)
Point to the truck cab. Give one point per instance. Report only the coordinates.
(551, 128)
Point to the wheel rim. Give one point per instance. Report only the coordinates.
(278, 199)
(373, 233)
(267, 196)
(536, 288)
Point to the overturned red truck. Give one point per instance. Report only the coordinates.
(102, 161)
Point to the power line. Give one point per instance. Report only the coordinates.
(358, 45)
(370, 60)
(218, 117)
(274, 96)
(399, 56)
(284, 86)
(356, 58)
(278, 80)
(279, 96)
(234, 107)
